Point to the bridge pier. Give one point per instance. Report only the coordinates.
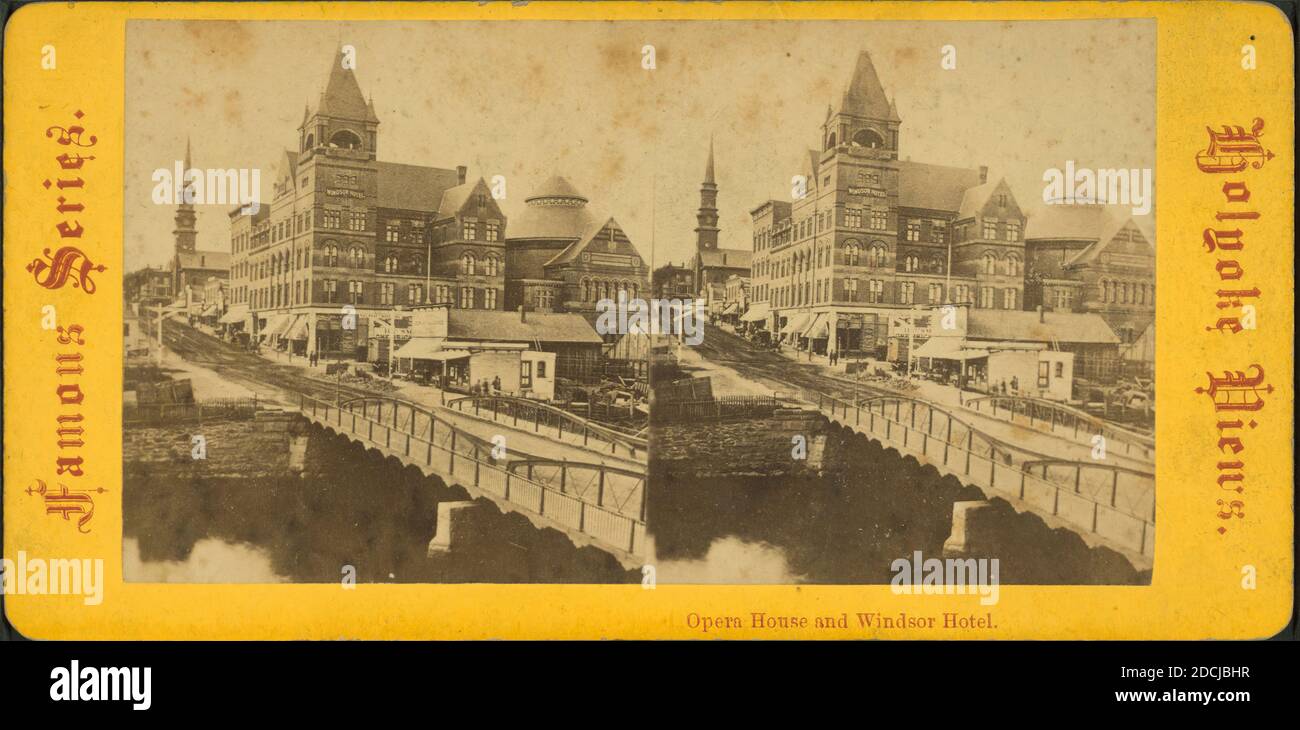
(459, 524)
(970, 521)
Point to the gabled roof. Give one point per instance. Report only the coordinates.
(976, 199)
(571, 251)
(342, 97)
(412, 187)
(933, 187)
(483, 324)
(1113, 230)
(1019, 326)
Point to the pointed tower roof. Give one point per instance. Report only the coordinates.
(708, 170)
(342, 97)
(865, 96)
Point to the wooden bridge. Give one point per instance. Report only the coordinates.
(1105, 503)
(592, 503)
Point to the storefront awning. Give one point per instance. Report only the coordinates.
(276, 324)
(948, 348)
(819, 328)
(428, 348)
(298, 330)
(796, 323)
(236, 313)
(758, 312)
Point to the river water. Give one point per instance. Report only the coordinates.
(242, 515)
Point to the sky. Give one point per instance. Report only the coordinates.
(527, 100)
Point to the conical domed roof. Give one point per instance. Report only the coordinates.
(556, 187)
(555, 211)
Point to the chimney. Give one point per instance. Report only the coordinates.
(460, 174)
(984, 174)
(1042, 316)
(523, 316)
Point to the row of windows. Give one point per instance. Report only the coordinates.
(873, 292)
(594, 290)
(990, 228)
(355, 257)
(383, 293)
(1126, 292)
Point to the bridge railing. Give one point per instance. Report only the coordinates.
(1114, 503)
(1064, 421)
(611, 516)
(547, 419)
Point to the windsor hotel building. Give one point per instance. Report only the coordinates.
(343, 228)
(875, 236)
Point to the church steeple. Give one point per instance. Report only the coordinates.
(185, 234)
(706, 230)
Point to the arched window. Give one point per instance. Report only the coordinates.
(490, 265)
(990, 263)
(936, 265)
(830, 140)
(877, 255)
(868, 138)
(1013, 265)
(345, 139)
(309, 143)
(586, 290)
(331, 255)
(467, 264)
(357, 257)
(1103, 289)
(851, 252)
(911, 262)
(390, 263)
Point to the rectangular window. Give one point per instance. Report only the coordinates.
(392, 231)
(879, 219)
(1013, 231)
(526, 374)
(489, 298)
(356, 220)
(1044, 374)
(1060, 370)
(541, 369)
(914, 230)
(493, 230)
(990, 229)
(332, 218)
(939, 231)
(386, 293)
(1009, 299)
(467, 297)
(467, 230)
(330, 286)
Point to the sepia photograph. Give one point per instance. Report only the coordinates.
(557, 302)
